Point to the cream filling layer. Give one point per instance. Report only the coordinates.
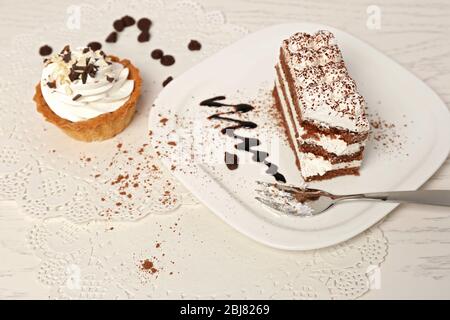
(310, 164)
(331, 145)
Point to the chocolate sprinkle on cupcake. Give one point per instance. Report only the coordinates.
(128, 21)
(144, 24)
(194, 45)
(84, 77)
(157, 54)
(78, 96)
(52, 84)
(110, 79)
(94, 45)
(167, 60)
(65, 49)
(73, 75)
(118, 25)
(112, 38)
(166, 82)
(144, 36)
(45, 50)
(67, 57)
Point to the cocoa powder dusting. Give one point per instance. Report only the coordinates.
(387, 136)
(148, 266)
(133, 171)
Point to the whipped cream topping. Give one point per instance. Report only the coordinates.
(328, 95)
(83, 84)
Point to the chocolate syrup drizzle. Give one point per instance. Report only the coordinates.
(245, 144)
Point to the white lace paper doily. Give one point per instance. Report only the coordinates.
(203, 259)
(117, 182)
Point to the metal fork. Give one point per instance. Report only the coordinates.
(308, 202)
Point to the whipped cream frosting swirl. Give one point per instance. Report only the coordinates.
(83, 84)
(328, 95)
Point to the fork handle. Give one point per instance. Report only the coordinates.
(431, 197)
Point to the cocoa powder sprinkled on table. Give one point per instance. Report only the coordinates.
(139, 175)
(148, 266)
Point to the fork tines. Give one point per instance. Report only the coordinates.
(281, 187)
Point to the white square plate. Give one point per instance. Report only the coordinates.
(246, 68)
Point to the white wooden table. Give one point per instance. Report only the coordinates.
(414, 33)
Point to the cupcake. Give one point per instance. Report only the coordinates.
(87, 94)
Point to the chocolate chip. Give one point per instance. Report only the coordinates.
(167, 60)
(194, 45)
(91, 70)
(45, 50)
(166, 82)
(73, 75)
(94, 45)
(144, 24)
(65, 49)
(112, 38)
(52, 84)
(118, 25)
(144, 36)
(78, 96)
(84, 77)
(86, 50)
(67, 57)
(157, 54)
(128, 21)
(78, 68)
(110, 79)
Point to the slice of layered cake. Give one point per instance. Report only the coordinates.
(322, 112)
